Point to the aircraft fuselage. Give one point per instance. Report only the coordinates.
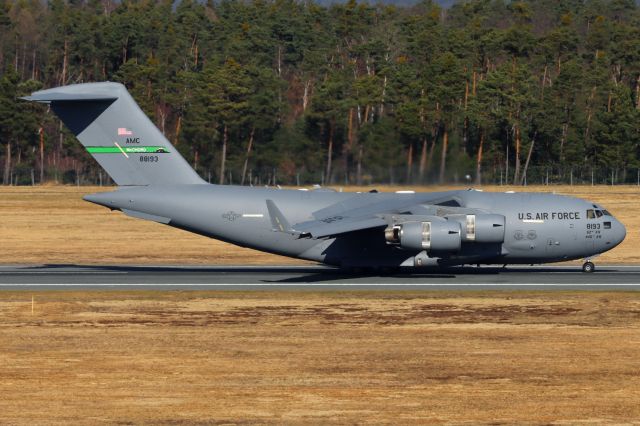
(538, 227)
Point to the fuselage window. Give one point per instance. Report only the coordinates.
(607, 225)
(599, 213)
(591, 214)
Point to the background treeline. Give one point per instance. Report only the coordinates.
(281, 91)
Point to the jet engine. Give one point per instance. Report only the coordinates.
(436, 234)
(481, 228)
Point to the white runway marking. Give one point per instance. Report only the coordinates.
(510, 267)
(63, 273)
(219, 272)
(505, 285)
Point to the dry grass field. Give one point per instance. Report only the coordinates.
(52, 224)
(307, 358)
(297, 358)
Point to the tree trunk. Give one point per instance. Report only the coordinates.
(23, 66)
(409, 162)
(124, 50)
(367, 110)
(178, 126)
(479, 159)
(329, 154)
(638, 93)
(423, 160)
(563, 139)
(33, 63)
(526, 163)
(248, 154)
(466, 94)
(516, 173)
(473, 87)
(223, 160)
(60, 146)
(162, 112)
(348, 146)
(279, 61)
(443, 154)
(589, 117)
(195, 56)
(544, 82)
(559, 64)
(41, 133)
(359, 166)
(384, 93)
(7, 166)
(305, 95)
(16, 59)
(65, 60)
(432, 148)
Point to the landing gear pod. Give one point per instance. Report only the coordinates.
(438, 235)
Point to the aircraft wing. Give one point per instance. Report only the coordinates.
(338, 225)
(363, 212)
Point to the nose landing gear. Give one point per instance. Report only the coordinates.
(588, 267)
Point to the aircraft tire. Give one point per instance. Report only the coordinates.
(588, 267)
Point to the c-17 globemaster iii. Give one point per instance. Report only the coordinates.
(349, 230)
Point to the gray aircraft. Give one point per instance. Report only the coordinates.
(349, 230)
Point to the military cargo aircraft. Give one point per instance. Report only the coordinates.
(348, 230)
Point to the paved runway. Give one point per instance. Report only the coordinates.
(79, 277)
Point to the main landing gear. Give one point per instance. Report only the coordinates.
(588, 267)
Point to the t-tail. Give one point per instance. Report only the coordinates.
(114, 130)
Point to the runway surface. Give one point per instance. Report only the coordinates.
(79, 277)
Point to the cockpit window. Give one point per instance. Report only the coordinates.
(606, 213)
(599, 213)
(591, 214)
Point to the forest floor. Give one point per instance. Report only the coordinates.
(52, 224)
(316, 358)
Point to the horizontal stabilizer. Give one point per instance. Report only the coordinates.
(146, 216)
(48, 96)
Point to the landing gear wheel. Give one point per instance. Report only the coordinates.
(588, 267)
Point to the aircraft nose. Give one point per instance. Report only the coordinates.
(619, 232)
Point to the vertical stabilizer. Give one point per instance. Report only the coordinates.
(114, 130)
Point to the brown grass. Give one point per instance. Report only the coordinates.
(52, 224)
(402, 358)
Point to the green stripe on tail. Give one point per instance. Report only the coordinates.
(126, 149)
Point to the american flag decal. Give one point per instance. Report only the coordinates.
(123, 131)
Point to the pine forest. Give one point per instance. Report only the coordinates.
(282, 92)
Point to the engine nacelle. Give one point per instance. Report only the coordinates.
(436, 234)
(481, 228)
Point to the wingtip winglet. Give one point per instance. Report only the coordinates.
(278, 222)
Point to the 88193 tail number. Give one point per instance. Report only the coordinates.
(149, 159)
